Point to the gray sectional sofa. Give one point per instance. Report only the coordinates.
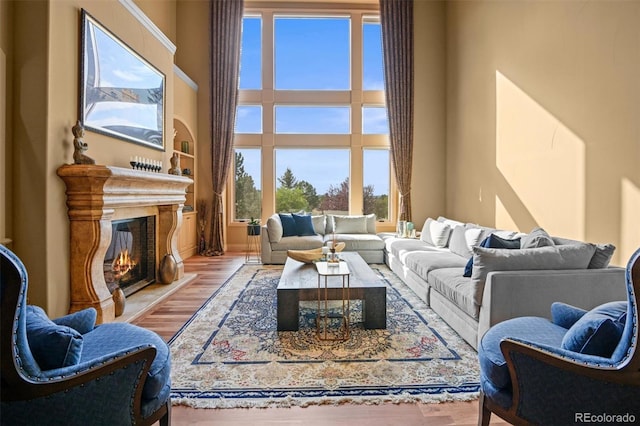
(357, 232)
(502, 283)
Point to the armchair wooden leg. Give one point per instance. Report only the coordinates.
(166, 419)
(484, 414)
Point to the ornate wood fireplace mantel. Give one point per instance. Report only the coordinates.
(96, 195)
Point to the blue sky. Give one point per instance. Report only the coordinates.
(314, 54)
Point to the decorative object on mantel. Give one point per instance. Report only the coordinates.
(80, 146)
(168, 269)
(140, 163)
(175, 165)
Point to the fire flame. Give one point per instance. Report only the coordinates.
(123, 263)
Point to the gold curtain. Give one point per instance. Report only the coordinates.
(226, 32)
(396, 19)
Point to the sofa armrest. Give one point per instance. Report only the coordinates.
(265, 246)
(510, 294)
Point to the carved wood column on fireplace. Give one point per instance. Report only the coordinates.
(96, 195)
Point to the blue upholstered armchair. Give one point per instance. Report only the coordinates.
(71, 372)
(581, 367)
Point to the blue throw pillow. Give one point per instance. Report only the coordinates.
(598, 332)
(565, 315)
(304, 225)
(288, 225)
(52, 345)
(492, 241)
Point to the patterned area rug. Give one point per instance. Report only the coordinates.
(230, 355)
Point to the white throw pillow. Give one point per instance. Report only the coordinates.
(371, 223)
(425, 235)
(473, 237)
(318, 224)
(440, 232)
(274, 228)
(449, 222)
(350, 224)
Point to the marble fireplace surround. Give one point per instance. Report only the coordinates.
(98, 195)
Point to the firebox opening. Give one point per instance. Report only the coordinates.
(130, 259)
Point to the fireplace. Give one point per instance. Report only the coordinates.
(99, 197)
(130, 259)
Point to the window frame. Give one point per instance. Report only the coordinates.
(356, 98)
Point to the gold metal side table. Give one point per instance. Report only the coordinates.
(328, 270)
(252, 254)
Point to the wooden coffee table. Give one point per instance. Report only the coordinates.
(299, 281)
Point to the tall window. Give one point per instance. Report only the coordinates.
(312, 53)
(248, 195)
(312, 180)
(376, 182)
(311, 104)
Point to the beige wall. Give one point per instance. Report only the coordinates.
(192, 56)
(162, 13)
(45, 108)
(429, 137)
(543, 117)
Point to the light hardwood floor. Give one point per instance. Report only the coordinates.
(167, 317)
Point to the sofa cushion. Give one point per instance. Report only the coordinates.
(598, 331)
(304, 225)
(356, 242)
(425, 234)
(533, 329)
(399, 247)
(463, 238)
(492, 241)
(101, 341)
(298, 243)
(600, 259)
(486, 260)
(452, 223)
(423, 262)
(440, 233)
(459, 290)
(538, 237)
(602, 256)
(318, 223)
(288, 224)
(435, 233)
(81, 321)
(274, 228)
(350, 224)
(371, 223)
(565, 315)
(52, 345)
